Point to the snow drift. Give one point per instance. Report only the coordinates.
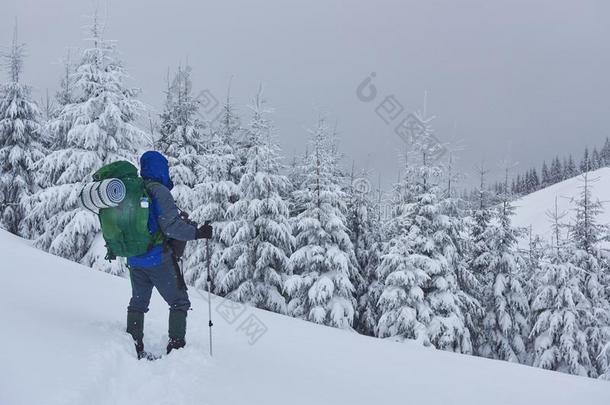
(63, 343)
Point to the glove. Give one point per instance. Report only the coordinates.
(204, 231)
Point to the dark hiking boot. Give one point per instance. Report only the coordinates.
(140, 349)
(175, 344)
(143, 354)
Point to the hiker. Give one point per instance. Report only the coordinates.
(158, 267)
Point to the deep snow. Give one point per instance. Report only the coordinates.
(62, 342)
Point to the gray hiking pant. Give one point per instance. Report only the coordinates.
(164, 279)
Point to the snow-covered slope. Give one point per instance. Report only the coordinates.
(62, 342)
(532, 209)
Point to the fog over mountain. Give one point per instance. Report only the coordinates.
(522, 79)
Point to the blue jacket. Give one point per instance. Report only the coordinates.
(162, 213)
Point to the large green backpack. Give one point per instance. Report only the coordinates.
(125, 227)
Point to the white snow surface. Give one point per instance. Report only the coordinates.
(531, 209)
(63, 342)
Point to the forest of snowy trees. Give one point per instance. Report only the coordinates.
(300, 239)
(555, 172)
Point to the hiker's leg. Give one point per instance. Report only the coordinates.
(141, 290)
(166, 281)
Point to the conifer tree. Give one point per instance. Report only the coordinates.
(479, 248)
(570, 169)
(401, 196)
(182, 141)
(535, 184)
(20, 143)
(323, 266)
(57, 130)
(458, 255)
(369, 315)
(216, 194)
(545, 181)
(605, 153)
(100, 129)
(505, 325)
(595, 160)
(516, 185)
(585, 163)
(261, 239)
(182, 138)
(560, 341)
(535, 250)
(296, 176)
(587, 235)
(364, 229)
(556, 171)
(564, 166)
(421, 297)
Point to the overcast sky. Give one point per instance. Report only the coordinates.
(524, 79)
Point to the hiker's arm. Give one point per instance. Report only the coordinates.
(172, 224)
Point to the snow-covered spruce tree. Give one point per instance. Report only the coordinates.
(296, 176)
(56, 132)
(57, 129)
(546, 176)
(569, 169)
(533, 257)
(605, 153)
(528, 181)
(556, 170)
(20, 143)
(182, 142)
(560, 341)
(421, 297)
(402, 195)
(457, 254)
(585, 163)
(323, 266)
(215, 195)
(587, 235)
(182, 139)
(478, 253)
(394, 245)
(505, 325)
(403, 312)
(364, 228)
(595, 160)
(260, 235)
(241, 143)
(101, 129)
(369, 317)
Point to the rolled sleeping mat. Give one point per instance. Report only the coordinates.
(113, 191)
(87, 197)
(102, 194)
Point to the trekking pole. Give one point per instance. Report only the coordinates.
(209, 280)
